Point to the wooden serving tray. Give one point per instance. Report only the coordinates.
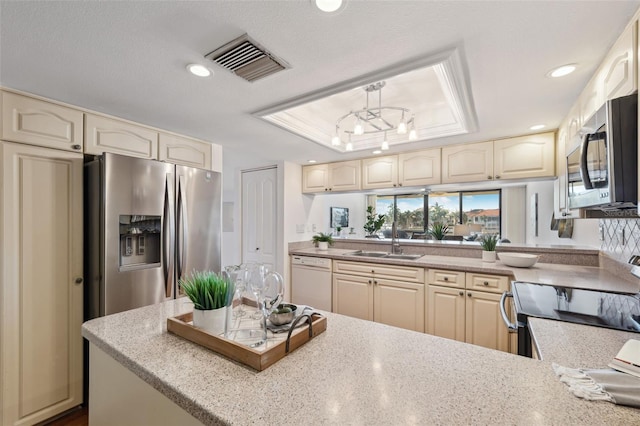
(254, 358)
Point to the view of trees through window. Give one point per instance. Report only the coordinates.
(478, 211)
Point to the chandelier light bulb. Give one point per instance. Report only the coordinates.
(358, 129)
(349, 147)
(402, 128)
(335, 141)
(413, 135)
(385, 145)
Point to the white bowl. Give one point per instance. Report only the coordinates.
(519, 260)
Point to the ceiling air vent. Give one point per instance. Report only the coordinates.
(247, 59)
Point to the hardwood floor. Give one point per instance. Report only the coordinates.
(77, 417)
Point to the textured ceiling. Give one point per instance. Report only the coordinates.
(128, 59)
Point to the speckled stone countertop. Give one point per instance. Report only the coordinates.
(356, 372)
(590, 277)
(576, 345)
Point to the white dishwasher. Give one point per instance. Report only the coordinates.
(311, 282)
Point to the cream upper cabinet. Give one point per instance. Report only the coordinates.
(466, 307)
(380, 172)
(388, 294)
(41, 302)
(185, 151)
(419, 167)
(103, 134)
(525, 156)
(467, 163)
(574, 124)
(42, 123)
(617, 73)
(340, 176)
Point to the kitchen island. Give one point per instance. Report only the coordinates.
(356, 372)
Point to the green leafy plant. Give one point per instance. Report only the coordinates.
(438, 230)
(207, 290)
(374, 222)
(322, 237)
(338, 229)
(488, 242)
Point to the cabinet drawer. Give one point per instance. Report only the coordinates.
(446, 278)
(378, 270)
(37, 122)
(492, 283)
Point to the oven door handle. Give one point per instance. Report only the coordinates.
(503, 311)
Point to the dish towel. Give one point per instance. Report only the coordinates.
(601, 385)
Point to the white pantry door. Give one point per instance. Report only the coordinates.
(259, 216)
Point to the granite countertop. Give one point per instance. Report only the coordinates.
(576, 345)
(356, 372)
(589, 277)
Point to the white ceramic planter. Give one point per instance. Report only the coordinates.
(213, 321)
(488, 256)
(323, 245)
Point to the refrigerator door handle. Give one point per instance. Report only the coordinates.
(169, 235)
(183, 226)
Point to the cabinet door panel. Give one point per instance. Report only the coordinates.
(41, 303)
(419, 168)
(353, 296)
(525, 157)
(484, 323)
(380, 172)
(37, 122)
(104, 134)
(187, 152)
(467, 163)
(344, 176)
(315, 178)
(618, 78)
(445, 312)
(399, 304)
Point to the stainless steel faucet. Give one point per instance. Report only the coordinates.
(395, 244)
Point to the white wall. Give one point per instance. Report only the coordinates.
(513, 214)
(585, 231)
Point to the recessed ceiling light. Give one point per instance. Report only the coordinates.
(377, 151)
(311, 161)
(537, 127)
(199, 70)
(562, 71)
(329, 6)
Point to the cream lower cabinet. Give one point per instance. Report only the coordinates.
(464, 313)
(41, 295)
(388, 294)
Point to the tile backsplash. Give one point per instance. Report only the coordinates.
(620, 238)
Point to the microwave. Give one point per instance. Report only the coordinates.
(602, 172)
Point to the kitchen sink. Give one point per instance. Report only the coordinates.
(384, 255)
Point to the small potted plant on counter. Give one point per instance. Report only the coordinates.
(374, 223)
(322, 241)
(488, 243)
(438, 230)
(210, 294)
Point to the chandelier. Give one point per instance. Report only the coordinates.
(372, 120)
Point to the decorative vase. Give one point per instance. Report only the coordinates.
(323, 245)
(488, 256)
(213, 321)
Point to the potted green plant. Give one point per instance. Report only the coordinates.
(322, 241)
(438, 230)
(488, 243)
(210, 294)
(338, 230)
(374, 223)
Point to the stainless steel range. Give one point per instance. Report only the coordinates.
(620, 311)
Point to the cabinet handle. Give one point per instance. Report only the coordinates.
(375, 282)
(486, 283)
(79, 280)
(446, 278)
(76, 147)
(399, 184)
(489, 177)
(257, 248)
(395, 185)
(373, 271)
(369, 281)
(469, 294)
(461, 293)
(326, 189)
(497, 176)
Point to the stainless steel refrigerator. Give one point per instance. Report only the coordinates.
(147, 224)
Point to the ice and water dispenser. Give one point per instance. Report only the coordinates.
(140, 241)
